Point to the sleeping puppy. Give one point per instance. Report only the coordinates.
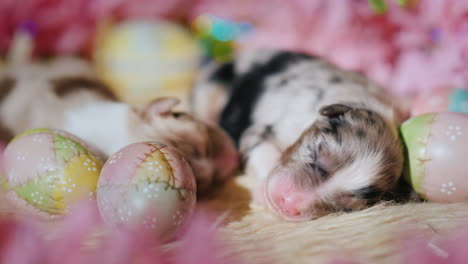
(65, 94)
(318, 138)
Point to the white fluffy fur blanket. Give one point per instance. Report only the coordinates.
(374, 235)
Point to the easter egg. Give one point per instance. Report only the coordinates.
(47, 171)
(142, 60)
(147, 184)
(3, 184)
(441, 100)
(437, 167)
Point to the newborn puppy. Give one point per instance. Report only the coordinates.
(320, 139)
(65, 94)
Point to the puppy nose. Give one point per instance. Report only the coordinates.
(292, 204)
(289, 200)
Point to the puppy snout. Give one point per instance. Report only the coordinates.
(228, 161)
(223, 151)
(287, 199)
(204, 173)
(292, 203)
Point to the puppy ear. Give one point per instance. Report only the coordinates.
(161, 106)
(334, 110)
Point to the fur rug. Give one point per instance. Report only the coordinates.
(375, 235)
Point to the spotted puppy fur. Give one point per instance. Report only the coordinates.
(319, 139)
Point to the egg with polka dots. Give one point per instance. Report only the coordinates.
(47, 171)
(148, 185)
(437, 167)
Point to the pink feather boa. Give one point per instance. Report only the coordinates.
(22, 241)
(405, 49)
(65, 27)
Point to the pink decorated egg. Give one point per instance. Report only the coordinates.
(47, 171)
(437, 167)
(441, 100)
(2, 177)
(147, 184)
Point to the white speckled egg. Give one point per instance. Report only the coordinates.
(147, 184)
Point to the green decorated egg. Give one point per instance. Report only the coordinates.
(47, 171)
(437, 167)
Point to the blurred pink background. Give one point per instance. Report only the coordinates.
(421, 45)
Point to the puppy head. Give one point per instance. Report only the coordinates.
(210, 151)
(347, 160)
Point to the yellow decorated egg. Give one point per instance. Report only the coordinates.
(142, 60)
(147, 184)
(47, 171)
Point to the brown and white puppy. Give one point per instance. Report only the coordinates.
(65, 94)
(319, 139)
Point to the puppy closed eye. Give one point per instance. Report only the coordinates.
(180, 115)
(324, 175)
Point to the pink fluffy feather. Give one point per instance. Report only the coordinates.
(407, 49)
(21, 242)
(65, 27)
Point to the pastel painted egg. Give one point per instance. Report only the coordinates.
(437, 166)
(143, 59)
(47, 171)
(3, 185)
(147, 184)
(441, 100)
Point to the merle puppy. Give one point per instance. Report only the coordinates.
(319, 139)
